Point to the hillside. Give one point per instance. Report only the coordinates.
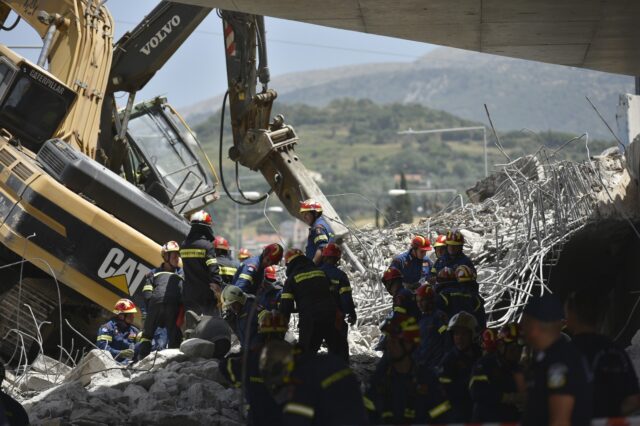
(519, 93)
(354, 145)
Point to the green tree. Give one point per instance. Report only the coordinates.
(400, 210)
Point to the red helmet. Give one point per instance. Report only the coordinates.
(331, 250)
(421, 243)
(270, 273)
(510, 333)
(273, 252)
(169, 247)
(402, 327)
(310, 205)
(201, 218)
(390, 275)
(291, 254)
(441, 241)
(445, 275)
(465, 274)
(455, 238)
(425, 291)
(489, 340)
(124, 306)
(220, 243)
(244, 254)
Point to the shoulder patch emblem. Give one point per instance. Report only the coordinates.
(557, 376)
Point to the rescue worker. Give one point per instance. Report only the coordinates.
(454, 256)
(457, 297)
(404, 301)
(263, 410)
(615, 384)
(245, 314)
(162, 292)
(268, 296)
(433, 327)
(119, 336)
(309, 287)
(497, 384)
(244, 254)
(410, 263)
(316, 389)
(12, 413)
(400, 391)
(560, 391)
(455, 370)
(201, 271)
(228, 266)
(320, 232)
(251, 272)
(341, 291)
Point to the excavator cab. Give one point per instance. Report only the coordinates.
(33, 103)
(166, 160)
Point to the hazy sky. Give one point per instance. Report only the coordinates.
(197, 69)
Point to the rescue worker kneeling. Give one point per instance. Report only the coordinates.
(401, 391)
(315, 389)
(163, 298)
(309, 288)
(119, 335)
(244, 310)
(497, 384)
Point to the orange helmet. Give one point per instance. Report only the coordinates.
(391, 274)
(489, 340)
(244, 254)
(425, 291)
(125, 306)
(201, 218)
(441, 241)
(402, 327)
(465, 274)
(273, 252)
(331, 250)
(270, 273)
(310, 205)
(445, 275)
(220, 243)
(510, 333)
(291, 254)
(169, 247)
(455, 238)
(421, 243)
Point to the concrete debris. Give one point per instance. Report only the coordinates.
(514, 233)
(198, 348)
(96, 364)
(48, 365)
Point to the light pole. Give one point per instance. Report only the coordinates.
(456, 129)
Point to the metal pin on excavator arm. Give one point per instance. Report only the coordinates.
(261, 145)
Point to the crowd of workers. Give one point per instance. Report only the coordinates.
(439, 362)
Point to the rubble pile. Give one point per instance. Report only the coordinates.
(514, 232)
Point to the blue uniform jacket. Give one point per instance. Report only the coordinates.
(249, 275)
(320, 234)
(113, 339)
(454, 375)
(247, 322)
(268, 296)
(433, 328)
(415, 397)
(490, 381)
(340, 288)
(409, 265)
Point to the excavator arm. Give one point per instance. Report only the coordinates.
(259, 143)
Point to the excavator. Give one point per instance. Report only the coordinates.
(89, 191)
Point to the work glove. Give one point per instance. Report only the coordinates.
(352, 318)
(126, 354)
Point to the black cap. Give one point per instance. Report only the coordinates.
(545, 308)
